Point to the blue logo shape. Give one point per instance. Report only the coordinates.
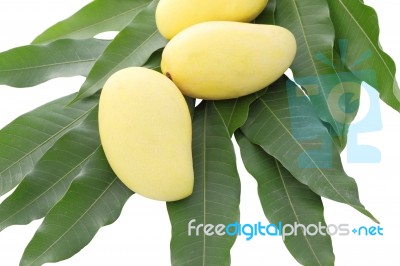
(343, 105)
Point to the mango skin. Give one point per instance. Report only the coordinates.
(145, 129)
(173, 16)
(223, 60)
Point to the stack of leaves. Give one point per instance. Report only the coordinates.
(290, 134)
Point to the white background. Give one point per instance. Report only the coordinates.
(141, 235)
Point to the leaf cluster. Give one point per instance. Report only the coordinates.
(290, 134)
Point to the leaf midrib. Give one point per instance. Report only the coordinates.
(77, 220)
(204, 178)
(367, 37)
(305, 152)
(294, 210)
(48, 139)
(58, 181)
(91, 25)
(222, 118)
(117, 65)
(314, 65)
(48, 65)
(231, 115)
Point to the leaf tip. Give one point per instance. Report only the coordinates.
(77, 98)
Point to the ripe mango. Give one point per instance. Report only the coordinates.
(173, 16)
(223, 60)
(145, 129)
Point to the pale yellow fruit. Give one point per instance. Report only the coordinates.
(223, 60)
(173, 16)
(146, 133)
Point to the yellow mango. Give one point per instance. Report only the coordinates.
(223, 60)
(173, 16)
(145, 129)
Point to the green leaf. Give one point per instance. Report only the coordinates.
(132, 47)
(95, 199)
(357, 25)
(24, 141)
(98, 16)
(285, 125)
(285, 200)
(154, 61)
(215, 199)
(309, 21)
(34, 64)
(267, 15)
(47, 183)
(234, 112)
(348, 102)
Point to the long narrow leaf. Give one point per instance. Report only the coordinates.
(42, 188)
(356, 24)
(215, 199)
(343, 97)
(285, 200)
(98, 16)
(31, 65)
(285, 125)
(132, 47)
(95, 199)
(309, 21)
(24, 141)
